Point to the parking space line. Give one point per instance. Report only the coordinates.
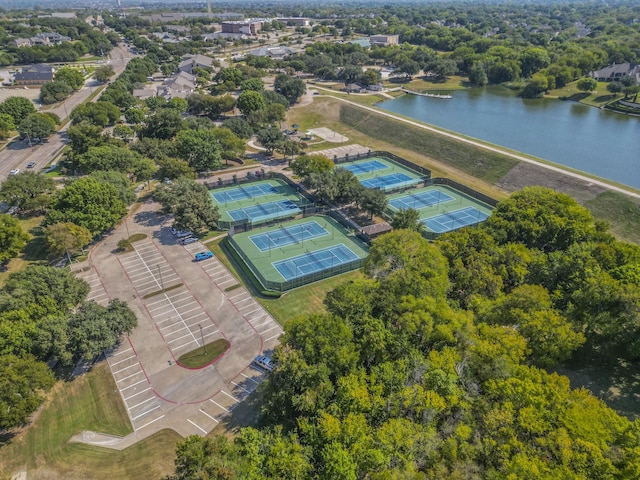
(123, 351)
(178, 338)
(238, 295)
(120, 361)
(131, 396)
(199, 428)
(227, 281)
(268, 329)
(154, 420)
(132, 375)
(133, 385)
(142, 403)
(253, 311)
(216, 403)
(249, 378)
(241, 388)
(271, 338)
(230, 396)
(212, 418)
(145, 412)
(125, 368)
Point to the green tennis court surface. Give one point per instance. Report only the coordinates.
(314, 261)
(449, 221)
(288, 235)
(382, 173)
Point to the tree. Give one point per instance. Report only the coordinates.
(27, 191)
(71, 77)
(408, 219)
(239, 126)
(12, 237)
(88, 203)
(109, 157)
(18, 108)
(291, 88)
(173, 168)
(306, 165)
(98, 113)
(134, 115)
(103, 73)
(587, 84)
(254, 84)
(190, 203)
(37, 125)
(478, 75)
(120, 181)
(270, 138)
(54, 92)
(614, 87)
(289, 148)
(250, 101)
(123, 131)
(373, 201)
(66, 238)
(200, 148)
(6, 125)
(84, 136)
(232, 146)
(24, 384)
(164, 124)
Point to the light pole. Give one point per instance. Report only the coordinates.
(204, 350)
(126, 226)
(160, 274)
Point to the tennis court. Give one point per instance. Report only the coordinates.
(420, 200)
(265, 211)
(240, 193)
(365, 167)
(313, 262)
(390, 182)
(288, 235)
(454, 220)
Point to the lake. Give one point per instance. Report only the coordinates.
(585, 138)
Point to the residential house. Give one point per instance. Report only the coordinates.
(617, 72)
(38, 74)
(189, 62)
(383, 40)
(143, 93)
(22, 42)
(353, 88)
(180, 85)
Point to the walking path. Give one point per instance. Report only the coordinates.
(501, 151)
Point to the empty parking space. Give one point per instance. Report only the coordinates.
(148, 269)
(97, 292)
(257, 316)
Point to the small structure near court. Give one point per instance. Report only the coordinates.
(442, 208)
(300, 252)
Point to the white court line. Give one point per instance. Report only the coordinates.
(133, 385)
(212, 418)
(123, 351)
(241, 388)
(145, 412)
(230, 396)
(132, 375)
(142, 391)
(216, 403)
(125, 368)
(249, 378)
(142, 403)
(154, 420)
(120, 361)
(199, 428)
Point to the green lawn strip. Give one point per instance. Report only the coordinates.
(599, 97)
(483, 164)
(201, 357)
(136, 237)
(621, 211)
(158, 292)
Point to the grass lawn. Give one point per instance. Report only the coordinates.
(90, 402)
(622, 213)
(201, 357)
(34, 252)
(597, 98)
(421, 84)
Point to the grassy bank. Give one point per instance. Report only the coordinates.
(622, 213)
(484, 165)
(90, 402)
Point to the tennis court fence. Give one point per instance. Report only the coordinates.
(464, 189)
(285, 285)
(426, 173)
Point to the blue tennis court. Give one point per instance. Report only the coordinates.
(365, 167)
(391, 181)
(243, 193)
(265, 211)
(313, 262)
(288, 235)
(420, 200)
(453, 220)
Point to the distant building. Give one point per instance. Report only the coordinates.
(180, 85)
(617, 72)
(247, 27)
(383, 40)
(47, 38)
(273, 52)
(143, 93)
(162, 17)
(38, 74)
(295, 21)
(212, 37)
(189, 62)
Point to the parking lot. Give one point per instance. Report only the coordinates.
(97, 292)
(179, 302)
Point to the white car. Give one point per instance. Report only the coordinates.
(188, 240)
(183, 234)
(264, 362)
(15, 171)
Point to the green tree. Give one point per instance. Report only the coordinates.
(37, 125)
(103, 73)
(270, 138)
(98, 113)
(134, 115)
(407, 219)
(54, 92)
(85, 135)
(239, 126)
(18, 107)
(25, 382)
(27, 191)
(70, 76)
(254, 84)
(373, 201)
(232, 146)
(164, 124)
(587, 84)
(200, 148)
(250, 101)
(306, 165)
(120, 181)
(7, 125)
(123, 131)
(291, 88)
(88, 203)
(173, 168)
(66, 238)
(12, 237)
(190, 203)
(109, 157)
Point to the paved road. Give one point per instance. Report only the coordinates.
(18, 153)
(584, 178)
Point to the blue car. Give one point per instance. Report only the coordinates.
(203, 255)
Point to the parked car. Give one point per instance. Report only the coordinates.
(188, 240)
(203, 255)
(31, 164)
(15, 171)
(183, 234)
(264, 362)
